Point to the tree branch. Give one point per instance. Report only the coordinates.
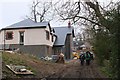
(82, 18)
(102, 20)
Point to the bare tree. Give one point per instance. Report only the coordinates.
(41, 11)
(34, 10)
(84, 12)
(107, 20)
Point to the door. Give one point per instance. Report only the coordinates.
(21, 38)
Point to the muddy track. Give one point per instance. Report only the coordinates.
(75, 70)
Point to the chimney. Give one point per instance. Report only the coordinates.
(69, 24)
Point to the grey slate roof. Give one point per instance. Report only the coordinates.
(61, 33)
(27, 23)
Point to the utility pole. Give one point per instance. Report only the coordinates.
(4, 40)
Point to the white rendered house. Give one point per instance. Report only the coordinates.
(29, 37)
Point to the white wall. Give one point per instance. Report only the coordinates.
(1, 40)
(36, 37)
(31, 37)
(15, 39)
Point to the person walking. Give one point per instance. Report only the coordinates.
(60, 58)
(82, 58)
(87, 57)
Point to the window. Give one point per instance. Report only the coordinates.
(47, 35)
(9, 35)
(52, 38)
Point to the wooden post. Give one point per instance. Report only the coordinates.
(4, 41)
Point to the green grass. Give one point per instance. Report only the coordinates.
(16, 59)
(106, 68)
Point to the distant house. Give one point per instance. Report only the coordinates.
(77, 44)
(37, 38)
(64, 41)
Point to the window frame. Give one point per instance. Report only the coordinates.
(52, 38)
(9, 35)
(47, 35)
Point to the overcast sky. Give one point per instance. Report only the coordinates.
(12, 11)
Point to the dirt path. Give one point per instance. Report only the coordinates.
(75, 70)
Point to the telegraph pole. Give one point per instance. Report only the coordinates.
(4, 41)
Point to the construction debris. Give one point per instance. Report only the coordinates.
(19, 70)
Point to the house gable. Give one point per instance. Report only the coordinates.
(61, 33)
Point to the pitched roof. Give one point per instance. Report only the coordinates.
(27, 23)
(61, 33)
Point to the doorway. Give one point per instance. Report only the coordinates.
(21, 38)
